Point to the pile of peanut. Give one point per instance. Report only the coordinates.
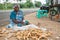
(31, 33)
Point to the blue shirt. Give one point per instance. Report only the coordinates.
(19, 16)
(13, 14)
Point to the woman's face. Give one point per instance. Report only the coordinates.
(16, 9)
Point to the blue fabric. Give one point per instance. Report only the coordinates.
(41, 13)
(19, 17)
(13, 14)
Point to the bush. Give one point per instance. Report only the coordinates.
(9, 6)
(1, 6)
(6, 6)
(22, 6)
(37, 4)
(28, 4)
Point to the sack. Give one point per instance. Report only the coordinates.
(25, 27)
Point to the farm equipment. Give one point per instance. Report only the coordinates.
(54, 9)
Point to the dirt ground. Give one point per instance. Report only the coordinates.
(45, 22)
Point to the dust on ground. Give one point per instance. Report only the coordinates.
(45, 22)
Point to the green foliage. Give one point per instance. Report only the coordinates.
(19, 0)
(1, 6)
(6, 0)
(28, 4)
(6, 6)
(37, 4)
(9, 6)
(28, 0)
(47, 4)
(22, 5)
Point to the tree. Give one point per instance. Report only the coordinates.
(5, 4)
(28, 0)
(28, 4)
(1, 6)
(19, 0)
(9, 6)
(22, 5)
(38, 4)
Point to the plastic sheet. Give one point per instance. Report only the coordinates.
(41, 13)
(25, 27)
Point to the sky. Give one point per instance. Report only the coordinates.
(42, 1)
